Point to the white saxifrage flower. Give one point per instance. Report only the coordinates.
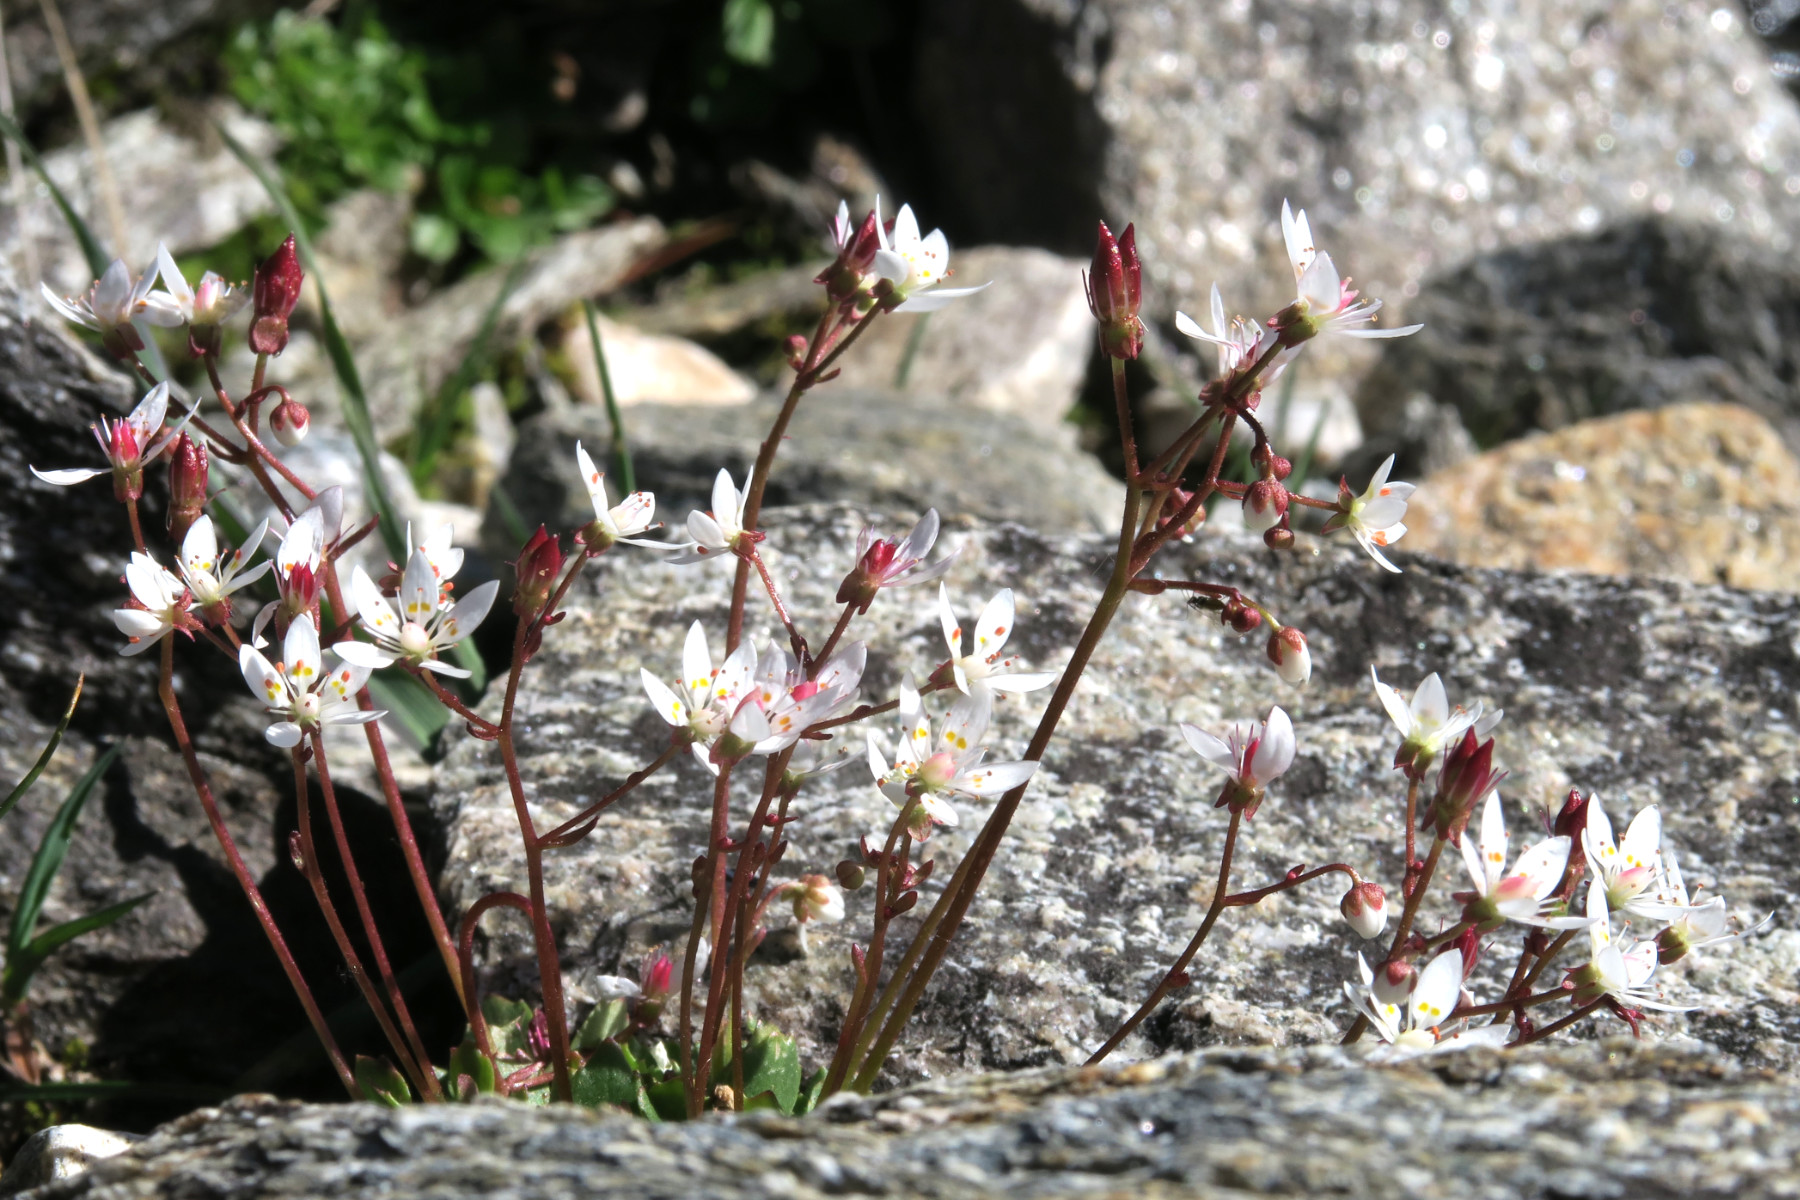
(715, 533)
(1617, 970)
(815, 898)
(1239, 340)
(1252, 753)
(932, 770)
(708, 704)
(213, 576)
(110, 307)
(1705, 923)
(1427, 723)
(982, 667)
(792, 703)
(129, 443)
(1631, 871)
(915, 264)
(1328, 300)
(620, 522)
(213, 302)
(1374, 518)
(419, 624)
(1519, 895)
(161, 605)
(1422, 1023)
(891, 562)
(300, 690)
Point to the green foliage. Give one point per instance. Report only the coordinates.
(763, 50)
(355, 110)
(381, 1082)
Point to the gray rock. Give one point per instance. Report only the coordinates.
(1571, 1122)
(134, 44)
(1637, 316)
(1650, 693)
(178, 184)
(878, 447)
(61, 1152)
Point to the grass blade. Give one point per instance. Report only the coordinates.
(411, 703)
(439, 415)
(43, 760)
(91, 249)
(621, 452)
(356, 400)
(50, 852)
(115, 1089)
(21, 966)
(914, 340)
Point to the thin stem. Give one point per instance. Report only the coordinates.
(1412, 825)
(717, 906)
(690, 964)
(466, 957)
(1549, 955)
(1244, 899)
(1411, 910)
(781, 612)
(309, 867)
(1122, 407)
(864, 994)
(1557, 1026)
(837, 634)
(367, 915)
(137, 528)
(197, 777)
(559, 837)
(1507, 1006)
(451, 701)
(1177, 973)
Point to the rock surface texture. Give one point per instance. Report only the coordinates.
(1574, 1122)
(1705, 492)
(1659, 693)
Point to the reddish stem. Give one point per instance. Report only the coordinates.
(466, 957)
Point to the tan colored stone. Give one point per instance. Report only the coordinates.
(1705, 492)
(651, 368)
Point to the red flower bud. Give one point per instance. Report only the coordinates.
(1287, 650)
(1240, 616)
(538, 565)
(1464, 780)
(289, 422)
(1279, 538)
(856, 258)
(274, 294)
(1265, 504)
(1115, 291)
(1365, 907)
(187, 486)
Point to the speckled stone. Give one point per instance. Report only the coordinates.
(1616, 1121)
(1649, 692)
(1705, 492)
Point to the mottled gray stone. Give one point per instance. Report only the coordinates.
(136, 46)
(874, 446)
(1590, 1122)
(1648, 692)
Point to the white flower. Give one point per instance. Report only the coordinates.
(983, 669)
(164, 601)
(114, 301)
(887, 562)
(810, 760)
(814, 898)
(1703, 924)
(930, 770)
(1374, 517)
(1630, 872)
(792, 703)
(719, 531)
(1520, 895)
(1427, 724)
(212, 303)
(621, 522)
(709, 703)
(1252, 753)
(1240, 341)
(1619, 970)
(1329, 300)
(129, 443)
(915, 263)
(419, 624)
(299, 556)
(299, 690)
(210, 576)
(1422, 1025)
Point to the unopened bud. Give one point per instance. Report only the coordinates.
(845, 277)
(1269, 464)
(273, 296)
(1279, 538)
(290, 422)
(1671, 944)
(903, 903)
(1115, 291)
(850, 874)
(796, 351)
(1265, 504)
(187, 486)
(1393, 981)
(538, 565)
(1240, 616)
(1287, 650)
(1365, 908)
(1464, 781)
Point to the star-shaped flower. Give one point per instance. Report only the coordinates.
(932, 770)
(128, 444)
(1426, 723)
(1617, 970)
(300, 690)
(915, 264)
(420, 624)
(110, 307)
(715, 533)
(161, 605)
(620, 522)
(212, 576)
(212, 303)
(1325, 299)
(1240, 340)
(1631, 871)
(792, 703)
(1374, 517)
(982, 668)
(893, 562)
(1520, 895)
(1252, 753)
(710, 704)
(1423, 1023)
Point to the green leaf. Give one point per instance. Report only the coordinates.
(607, 1079)
(381, 1083)
(434, 238)
(606, 1022)
(50, 852)
(97, 257)
(668, 1099)
(499, 1010)
(43, 759)
(810, 1093)
(621, 451)
(467, 1059)
(356, 401)
(411, 703)
(508, 1024)
(23, 964)
(749, 29)
(772, 1064)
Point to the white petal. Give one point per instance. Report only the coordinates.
(263, 680)
(1430, 706)
(372, 607)
(467, 614)
(727, 508)
(1434, 997)
(991, 779)
(418, 596)
(936, 298)
(889, 265)
(966, 723)
(301, 659)
(363, 654)
(68, 476)
(285, 734)
(696, 666)
(994, 625)
(906, 230)
(1275, 751)
(947, 622)
(1398, 711)
(1401, 331)
(1210, 748)
(1493, 842)
(1642, 839)
(667, 705)
(1543, 864)
(200, 548)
